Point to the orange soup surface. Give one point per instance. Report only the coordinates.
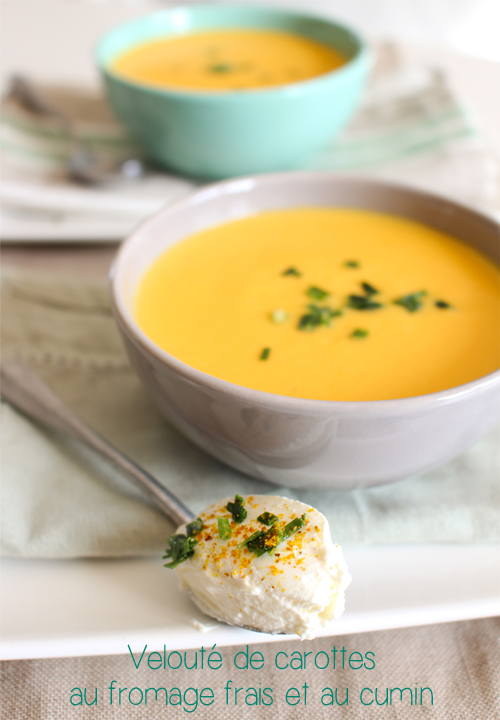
(222, 60)
(330, 304)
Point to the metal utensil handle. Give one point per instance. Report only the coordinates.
(25, 389)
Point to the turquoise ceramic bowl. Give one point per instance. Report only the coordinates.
(222, 134)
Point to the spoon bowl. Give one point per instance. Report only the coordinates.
(242, 597)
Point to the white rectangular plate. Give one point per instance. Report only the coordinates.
(54, 608)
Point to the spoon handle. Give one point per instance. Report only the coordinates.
(25, 389)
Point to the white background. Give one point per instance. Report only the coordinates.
(53, 39)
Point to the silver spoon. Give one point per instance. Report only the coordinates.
(82, 164)
(23, 388)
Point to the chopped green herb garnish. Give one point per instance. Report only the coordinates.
(262, 542)
(317, 316)
(253, 536)
(324, 311)
(362, 302)
(265, 541)
(308, 322)
(237, 509)
(225, 531)
(442, 304)
(369, 289)
(194, 527)
(181, 548)
(359, 333)
(351, 264)
(411, 302)
(316, 293)
(293, 526)
(265, 354)
(324, 314)
(279, 316)
(268, 518)
(220, 68)
(292, 271)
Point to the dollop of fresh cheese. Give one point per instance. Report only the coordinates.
(296, 588)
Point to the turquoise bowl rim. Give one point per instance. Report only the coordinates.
(361, 56)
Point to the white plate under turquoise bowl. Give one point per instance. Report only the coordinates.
(222, 134)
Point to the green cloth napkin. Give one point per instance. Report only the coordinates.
(60, 500)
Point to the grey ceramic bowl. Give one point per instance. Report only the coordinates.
(291, 441)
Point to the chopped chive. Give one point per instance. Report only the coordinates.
(262, 542)
(181, 548)
(362, 302)
(369, 289)
(292, 271)
(220, 68)
(237, 509)
(351, 264)
(268, 518)
(225, 531)
(308, 322)
(359, 333)
(323, 310)
(279, 316)
(411, 302)
(293, 526)
(252, 537)
(265, 541)
(265, 353)
(442, 304)
(316, 293)
(194, 527)
(324, 314)
(317, 316)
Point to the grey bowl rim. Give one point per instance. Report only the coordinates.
(261, 398)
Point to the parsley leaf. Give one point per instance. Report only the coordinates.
(292, 271)
(181, 548)
(359, 333)
(316, 293)
(268, 518)
(362, 302)
(237, 509)
(411, 302)
(194, 527)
